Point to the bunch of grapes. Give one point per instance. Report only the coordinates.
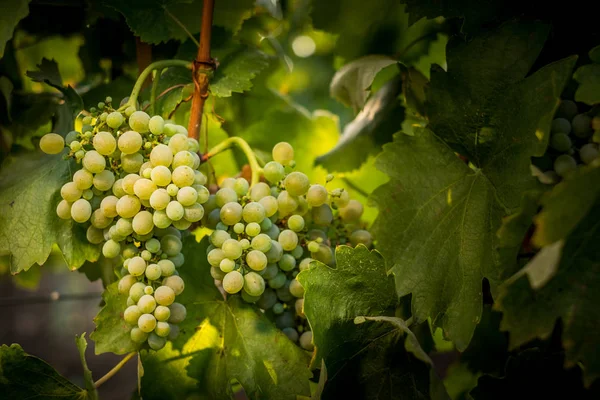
(266, 234)
(574, 140)
(138, 186)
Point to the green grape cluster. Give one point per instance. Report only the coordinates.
(137, 187)
(574, 140)
(266, 234)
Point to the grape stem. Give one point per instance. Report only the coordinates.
(243, 145)
(154, 91)
(159, 65)
(115, 369)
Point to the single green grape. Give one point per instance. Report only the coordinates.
(233, 282)
(52, 143)
(283, 153)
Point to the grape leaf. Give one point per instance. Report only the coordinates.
(564, 284)
(438, 225)
(23, 376)
(48, 73)
(112, 333)
(372, 359)
(157, 21)
(566, 205)
(28, 226)
(81, 342)
(351, 84)
(588, 77)
(373, 126)
(237, 70)
(533, 374)
(595, 54)
(12, 12)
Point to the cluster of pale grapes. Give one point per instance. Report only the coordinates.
(137, 187)
(266, 234)
(574, 142)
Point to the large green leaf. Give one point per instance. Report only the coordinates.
(351, 84)
(11, 12)
(30, 185)
(561, 282)
(237, 70)
(23, 376)
(112, 333)
(374, 126)
(588, 77)
(440, 216)
(380, 358)
(157, 21)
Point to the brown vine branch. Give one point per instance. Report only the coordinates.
(143, 53)
(203, 66)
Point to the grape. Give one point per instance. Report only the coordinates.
(115, 119)
(83, 179)
(588, 153)
(137, 335)
(174, 282)
(136, 266)
(147, 323)
(187, 196)
(137, 289)
(582, 126)
(178, 313)
(233, 282)
(257, 260)
(131, 162)
(296, 288)
(232, 249)
(108, 205)
(266, 224)
(87, 194)
(111, 249)
(160, 199)
(143, 188)
(245, 244)
(161, 155)
(267, 300)
(322, 215)
(261, 242)
(241, 186)
(270, 272)
(152, 245)
(213, 219)
(253, 212)
(128, 206)
(224, 196)
(161, 175)
(146, 303)
(259, 191)
(249, 298)
(146, 255)
(231, 213)
(52, 143)
(162, 313)
(178, 142)
(285, 320)
(316, 195)
(129, 182)
(354, 210)
(183, 176)
(295, 223)
(170, 245)
(162, 329)
(291, 333)
(184, 158)
(341, 197)
(175, 210)
(156, 125)
(203, 194)
(172, 190)
(81, 210)
(270, 205)
(299, 308)
(217, 238)
(153, 272)
(193, 144)
(167, 267)
(254, 284)
(286, 203)
(104, 180)
(70, 192)
(564, 164)
(297, 183)
(297, 252)
(94, 235)
(278, 281)
(132, 314)
(277, 308)
(138, 121)
(71, 137)
(361, 236)
(561, 125)
(156, 342)
(238, 228)
(275, 253)
(227, 265)
(273, 232)
(104, 143)
(252, 229)
(164, 295)
(274, 172)
(193, 213)
(117, 188)
(288, 240)
(287, 262)
(283, 153)
(283, 293)
(129, 251)
(228, 183)
(174, 332)
(130, 142)
(567, 109)
(306, 341)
